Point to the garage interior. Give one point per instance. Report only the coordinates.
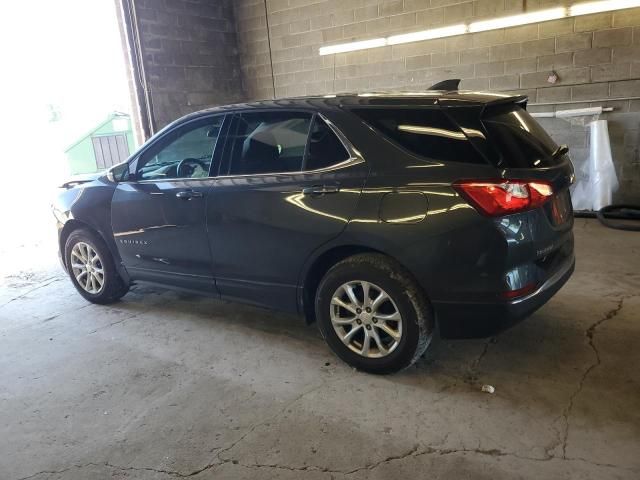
(168, 385)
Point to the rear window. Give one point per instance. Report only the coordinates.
(520, 141)
(425, 132)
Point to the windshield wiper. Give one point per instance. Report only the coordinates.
(558, 152)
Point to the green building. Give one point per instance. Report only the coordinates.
(109, 143)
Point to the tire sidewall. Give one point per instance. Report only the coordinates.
(404, 353)
(110, 275)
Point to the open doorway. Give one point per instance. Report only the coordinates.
(66, 111)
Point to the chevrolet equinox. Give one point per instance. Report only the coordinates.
(377, 215)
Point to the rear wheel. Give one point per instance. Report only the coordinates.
(372, 314)
(92, 269)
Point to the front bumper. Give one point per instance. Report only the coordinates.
(477, 320)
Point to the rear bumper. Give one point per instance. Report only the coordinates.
(477, 320)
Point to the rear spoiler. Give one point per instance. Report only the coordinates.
(453, 85)
(520, 100)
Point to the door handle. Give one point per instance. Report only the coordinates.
(188, 194)
(320, 189)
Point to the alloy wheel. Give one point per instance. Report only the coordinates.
(87, 268)
(366, 319)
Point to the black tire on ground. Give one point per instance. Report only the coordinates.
(397, 282)
(113, 287)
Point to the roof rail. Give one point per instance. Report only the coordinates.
(451, 84)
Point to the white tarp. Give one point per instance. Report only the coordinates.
(599, 179)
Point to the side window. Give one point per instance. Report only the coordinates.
(426, 132)
(185, 152)
(267, 142)
(325, 149)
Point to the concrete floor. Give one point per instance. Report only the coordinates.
(163, 385)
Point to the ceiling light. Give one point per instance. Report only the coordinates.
(353, 46)
(583, 8)
(602, 6)
(428, 34)
(515, 20)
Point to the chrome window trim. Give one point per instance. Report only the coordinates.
(338, 166)
(355, 157)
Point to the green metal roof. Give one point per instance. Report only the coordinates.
(109, 118)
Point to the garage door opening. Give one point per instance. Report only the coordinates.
(66, 107)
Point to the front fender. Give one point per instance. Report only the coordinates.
(87, 205)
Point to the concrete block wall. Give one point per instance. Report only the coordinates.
(189, 54)
(595, 56)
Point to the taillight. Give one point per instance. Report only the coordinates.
(520, 292)
(496, 198)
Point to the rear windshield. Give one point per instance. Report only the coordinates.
(425, 132)
(520, 141)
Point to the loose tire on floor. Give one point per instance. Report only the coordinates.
(100, 283)
(348, 320)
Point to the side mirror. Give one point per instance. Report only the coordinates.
(118, 173)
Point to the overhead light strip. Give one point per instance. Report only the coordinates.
(578, 9)
(427, 34)
(516, 20)
(601, 6)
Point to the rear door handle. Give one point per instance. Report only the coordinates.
(188, 194)
(320, 189)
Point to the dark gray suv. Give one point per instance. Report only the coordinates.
(376, 215)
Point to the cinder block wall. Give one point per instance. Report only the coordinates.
(190, 55)
(595, 56)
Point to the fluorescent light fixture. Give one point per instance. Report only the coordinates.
(353, 46)
(583, 8)
(428, 34)
(603, 6)
(515, 20)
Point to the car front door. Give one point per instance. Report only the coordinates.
(158, 215)
(287, 184)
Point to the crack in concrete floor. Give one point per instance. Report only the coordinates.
(223, 456)
(590, 334)
(414, 452)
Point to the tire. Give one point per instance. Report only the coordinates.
(112, 287)
(379, 274)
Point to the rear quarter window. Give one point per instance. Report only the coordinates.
(424, 132)
(518, 140)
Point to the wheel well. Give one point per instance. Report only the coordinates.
(69, 227)
(319, 268)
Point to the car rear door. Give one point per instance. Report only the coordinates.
(158, 216)
(288, 183)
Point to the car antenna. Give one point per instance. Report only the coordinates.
(448, 85)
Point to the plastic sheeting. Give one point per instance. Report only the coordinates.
(599, 180)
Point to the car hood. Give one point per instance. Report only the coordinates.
(76, 180)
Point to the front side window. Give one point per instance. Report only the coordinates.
(425, 132)
(186, 152)
(267, 142)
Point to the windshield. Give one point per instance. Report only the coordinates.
(520, 141)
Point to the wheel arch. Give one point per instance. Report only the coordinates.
(73, 225)
(321, 264)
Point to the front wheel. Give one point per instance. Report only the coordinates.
(372, 314)
(92, 269)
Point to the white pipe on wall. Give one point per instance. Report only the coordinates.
(576, 112)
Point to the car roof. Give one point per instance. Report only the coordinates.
(424, 98)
